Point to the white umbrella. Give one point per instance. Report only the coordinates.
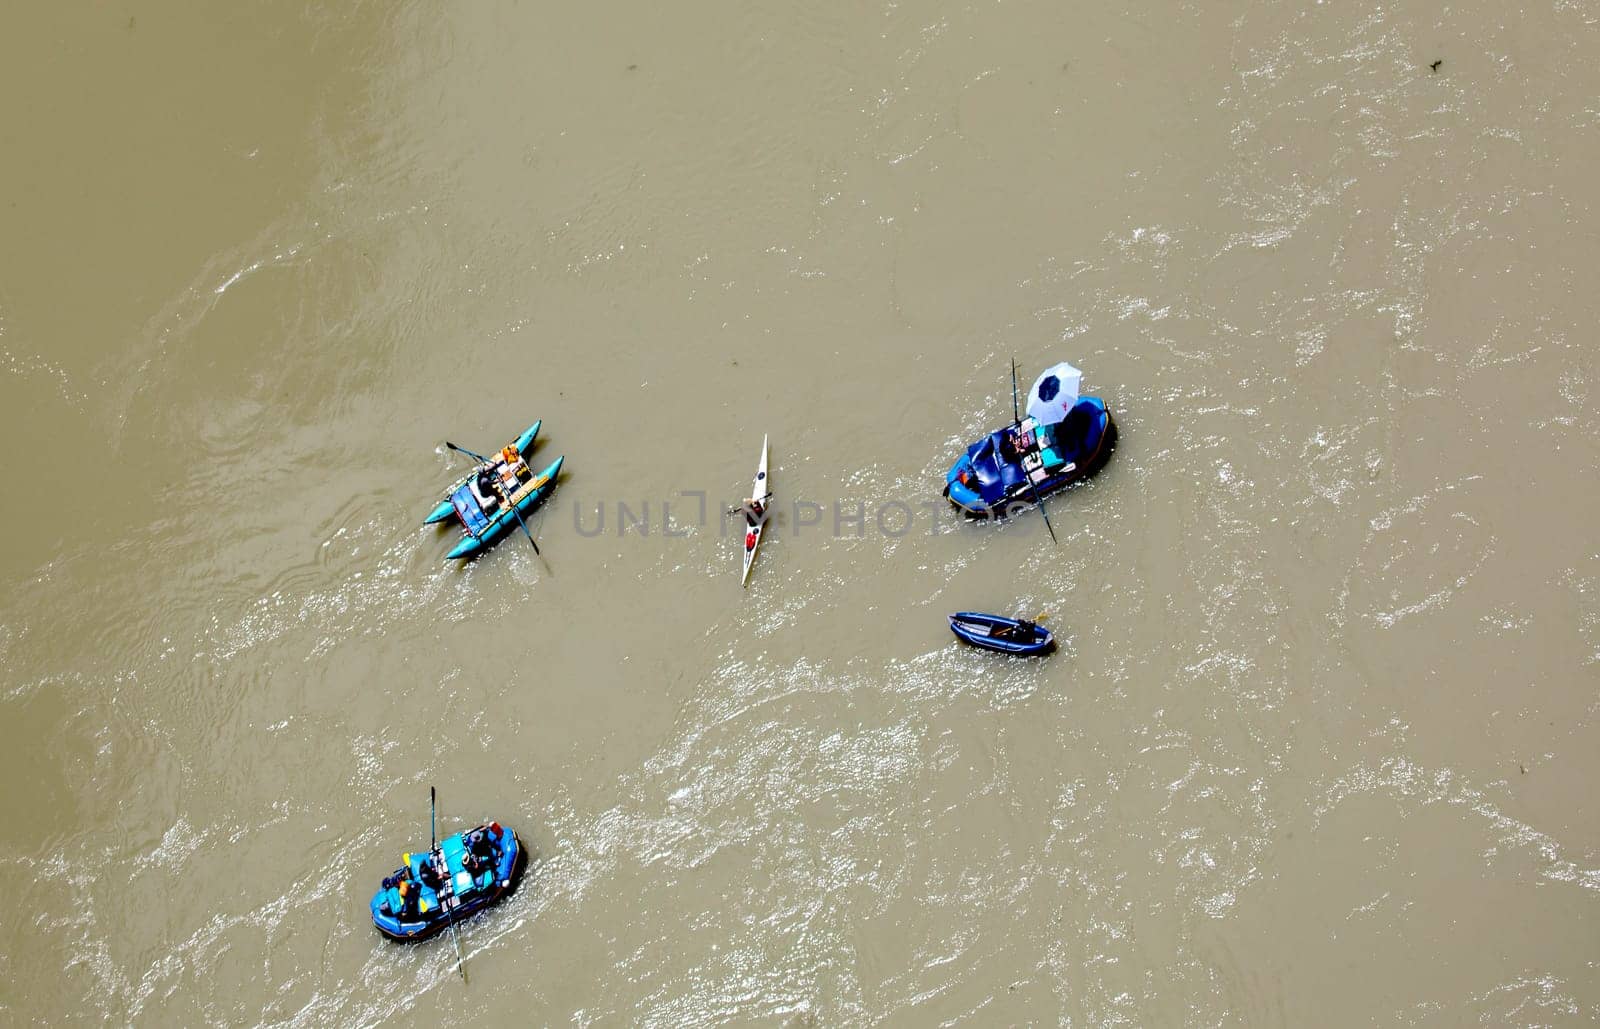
(1054, 393)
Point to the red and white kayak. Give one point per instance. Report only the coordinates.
(755, 513)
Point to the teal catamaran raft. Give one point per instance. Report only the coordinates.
(495, 496)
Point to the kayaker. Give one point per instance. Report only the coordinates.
(754, 511)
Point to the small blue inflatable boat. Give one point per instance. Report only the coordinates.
(463, 875)
(1006, 635)
(1029, 461)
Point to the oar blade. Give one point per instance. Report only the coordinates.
(464, 450)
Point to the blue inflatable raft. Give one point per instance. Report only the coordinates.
(463, 875)
(1006, 635)
(1028, 461)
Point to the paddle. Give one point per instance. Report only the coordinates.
(449, 917)
(514, 512)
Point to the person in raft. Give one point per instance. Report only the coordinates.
(1022, 632)
(482, 847)
(480, 853)
(429, 873)
(409, 893)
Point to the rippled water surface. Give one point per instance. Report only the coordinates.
(1319, 744)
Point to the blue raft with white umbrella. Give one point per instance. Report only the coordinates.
(464, 874)
(1065, 438)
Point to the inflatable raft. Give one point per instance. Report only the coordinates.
(463, 875)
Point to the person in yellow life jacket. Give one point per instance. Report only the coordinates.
(409, 893)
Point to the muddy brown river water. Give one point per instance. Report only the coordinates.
(1320, 743)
